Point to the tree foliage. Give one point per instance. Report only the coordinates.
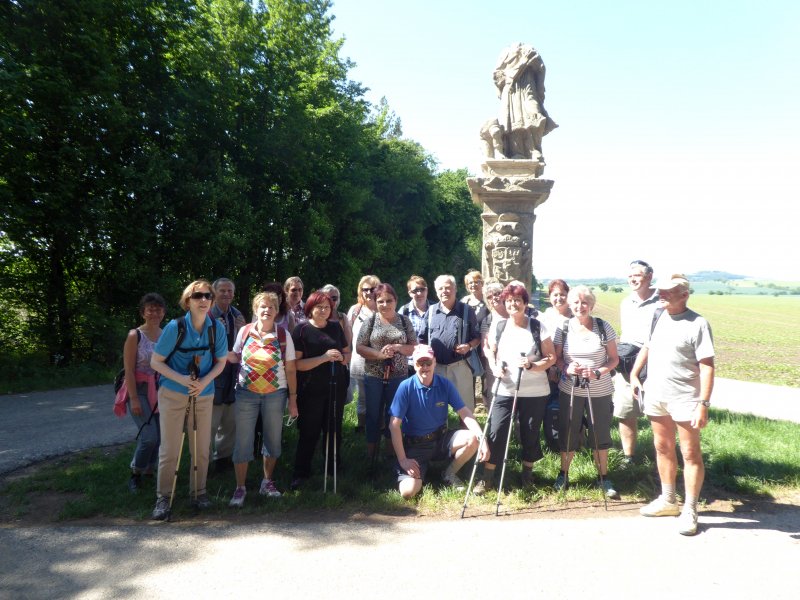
(144, 143)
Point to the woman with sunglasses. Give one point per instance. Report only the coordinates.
(267, 383)
(187, 372)
(322, 355)
(359, 313)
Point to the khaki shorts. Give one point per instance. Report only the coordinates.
(625, 405)
(681, 411)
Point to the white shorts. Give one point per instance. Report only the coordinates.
(680, 410)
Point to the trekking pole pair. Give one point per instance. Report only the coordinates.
(508, 440)
(332, 421)
(480, 441)
(577, 382)
(194, 373)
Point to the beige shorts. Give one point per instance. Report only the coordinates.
(625, 405)
(680, 410)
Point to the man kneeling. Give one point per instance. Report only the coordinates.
(419, 426)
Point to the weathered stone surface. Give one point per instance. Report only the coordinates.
(511, 186)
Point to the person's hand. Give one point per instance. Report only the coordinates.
(498, 371)
(524, 362)
(483, 451)
(136, 407)
(636, 386)
(572, 368)
(463, 349)
(700, 417)
(333, 355)
(293, 409)
(196, 386)
(389, 350)
(411, 466)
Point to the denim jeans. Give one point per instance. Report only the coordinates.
(145, 456)
(248, 406)
(375, 394)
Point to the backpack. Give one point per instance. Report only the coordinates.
(535, 329)
(281, 335)
(628, 353)
(212, 339)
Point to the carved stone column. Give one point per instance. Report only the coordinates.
(508, 193)
(511, 186)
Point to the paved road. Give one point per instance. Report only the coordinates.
(488, 558)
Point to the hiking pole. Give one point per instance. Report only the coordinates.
(575, 381)
(480, 441)
(327, 437)
(508, 441)
(596, 445)
(193, 376)
(193, 401)
(335, 428)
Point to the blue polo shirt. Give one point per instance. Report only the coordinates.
(193, 340)
(424, 409)
(446, 329)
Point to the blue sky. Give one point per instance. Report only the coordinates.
(678, 138)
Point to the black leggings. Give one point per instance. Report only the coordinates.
(531, 413)
(314, 410)
(602, 408)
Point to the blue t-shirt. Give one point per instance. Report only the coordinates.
(180, 360)
(424, 409)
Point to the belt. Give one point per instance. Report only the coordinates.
(428, 437)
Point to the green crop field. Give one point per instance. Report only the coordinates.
(757, 338)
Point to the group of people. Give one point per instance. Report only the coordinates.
(408, 366)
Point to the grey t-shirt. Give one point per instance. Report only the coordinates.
(675, 349)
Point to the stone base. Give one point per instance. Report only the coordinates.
(513, 167)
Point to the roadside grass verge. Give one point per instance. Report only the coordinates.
(744, 455)
(34, 373)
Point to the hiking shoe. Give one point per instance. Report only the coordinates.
(482, 487)
(687, 522)
(562, 482)
(238, 497)
(608, 489)
(660, 508)
(268, 489)
(161, 511)
(453, 480)
(202, 502)
(134, 483)
(626, 463)
(527, 478)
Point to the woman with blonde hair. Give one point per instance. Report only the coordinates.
(586, 354)
(358, 314)
(189, 355)
(267, 383)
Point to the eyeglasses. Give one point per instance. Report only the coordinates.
(367, 290)
(418, 290)
(424, 362)
(201, 296)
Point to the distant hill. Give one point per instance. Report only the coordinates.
(708, 282)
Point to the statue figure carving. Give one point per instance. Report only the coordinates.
(523, 121)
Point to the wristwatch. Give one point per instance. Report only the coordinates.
(597, 373)
(705, 403)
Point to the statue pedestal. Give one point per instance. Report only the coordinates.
(508, 194)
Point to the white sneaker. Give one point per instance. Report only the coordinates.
(453, 480)
(660, 508)
(687, 522)
(238, 497)
(268, 489)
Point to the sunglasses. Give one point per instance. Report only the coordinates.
(641, 263)
(367, 290)
(424, 362)
(334, 298)
(201, 296)
(418, 290)
(295, 290)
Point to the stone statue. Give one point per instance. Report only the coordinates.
(523, 120)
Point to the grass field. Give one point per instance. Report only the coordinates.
(757, 338)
